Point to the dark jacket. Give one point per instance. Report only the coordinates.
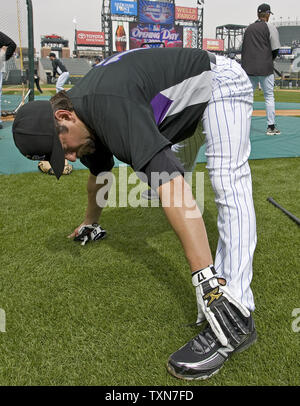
(58, 67)
(260, 47)
(9, 43)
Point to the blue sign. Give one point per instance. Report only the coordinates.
(124, 7)
(285, 51)
(156, 12)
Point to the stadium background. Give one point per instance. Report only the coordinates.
(184, 28)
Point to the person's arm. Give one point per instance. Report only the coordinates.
(274, 40)
(61, 66)
(93, 211)
(2, 57)
(9, 43)
(185, 217)
(54, 69)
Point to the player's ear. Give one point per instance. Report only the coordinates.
(61, 115)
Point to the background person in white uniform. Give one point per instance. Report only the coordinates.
(7, 48)
(60, 69)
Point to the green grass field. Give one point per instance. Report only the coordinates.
(111, 313)
(284, 96)
(48, 90)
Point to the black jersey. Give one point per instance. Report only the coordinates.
(260, 39)
(138, 102)
(58, 67)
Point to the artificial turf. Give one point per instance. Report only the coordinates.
(111, 312)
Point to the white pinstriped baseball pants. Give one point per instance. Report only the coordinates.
(226, 128)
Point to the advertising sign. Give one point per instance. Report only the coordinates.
(124, 7)
(142, 33)
(151, 12)
(213, 44)
(90, 38)
(186, 13)
(285, 51)
(120, 36)
(190, 37)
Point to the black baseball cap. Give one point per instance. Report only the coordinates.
(36, 137)
(264, 8)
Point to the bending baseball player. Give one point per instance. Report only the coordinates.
(135, 105)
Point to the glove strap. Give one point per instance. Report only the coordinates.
(205, 274)
(98, 232)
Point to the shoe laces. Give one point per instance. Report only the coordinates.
(204, 341)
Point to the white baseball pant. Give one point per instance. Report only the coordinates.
(61, 81)
(226, 128)
(1, 78)
(267, 85)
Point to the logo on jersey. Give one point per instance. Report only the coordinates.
(117, 57)
(36, 157)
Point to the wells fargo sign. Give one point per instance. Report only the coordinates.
(186, 13)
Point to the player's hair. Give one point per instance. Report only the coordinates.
(61, 101)
(263, 15)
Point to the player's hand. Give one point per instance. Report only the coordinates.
(88, 232)
(2, 53)
(75, 232)
(226, 316)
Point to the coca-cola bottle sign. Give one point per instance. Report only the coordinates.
(121, 40)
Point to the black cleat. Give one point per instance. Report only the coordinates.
(204, 355)
(272, 130)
